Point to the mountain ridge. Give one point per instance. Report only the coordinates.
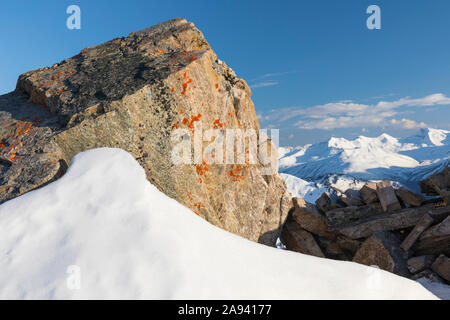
(403, 160)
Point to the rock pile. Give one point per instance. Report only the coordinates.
(395, 229)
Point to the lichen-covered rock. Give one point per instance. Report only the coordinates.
(132, 93)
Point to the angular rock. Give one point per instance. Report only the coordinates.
(132, 93)
(328, 201)
(369, 193)
(386, 194)
(334, 251)
(352, 198)
(297, 239)
(438, 184)
(420, 227)
(442, 267)
(349, 246)
(309, 218)
(435, 240)
(409, 197)
(418, 264)
(382, 250)
(404, 218)
(428, 274)
(342, 216)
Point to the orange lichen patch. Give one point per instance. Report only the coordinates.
(181, 111)
(217, 85)
(173, 89)
(202, 168)
(85, 51)
(12, 136)
(185, 86)
(131, 34)
(55, 85)
(194, 119)
(176, 126)
(217, 124)
(117, 41)
(190, 123)
(192, 203)
(235, 173)
(192, 59)
(162, 50)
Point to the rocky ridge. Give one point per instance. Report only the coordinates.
(395, 229)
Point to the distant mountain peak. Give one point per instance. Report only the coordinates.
(406, 160)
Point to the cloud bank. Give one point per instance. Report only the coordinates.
(347, 114)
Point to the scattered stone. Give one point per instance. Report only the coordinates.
(334, 251)
(442, 267)
(382, 250)
(404, 218)
(352, 198)
(349, 246)
(369, 193)
(435, 240)
(420, 227)
(342, 216)
(386, 194)
(328, 201)
(409, 197)
(309, 218)
(438, 184)
(428, 274)
(297, 239)
(418, 264)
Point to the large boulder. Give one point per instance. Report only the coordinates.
(310, 218)
(329, 201)
(352, 197)
(435, 240)
(386, 194)
(133, 93)
(408, 197)
(402, 219)
(420, 263)
(382, 250)
(442, 267)
(297, 239)
(438, 184)
(369, 193)
(342, 216)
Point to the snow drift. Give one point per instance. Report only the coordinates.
(128, 240)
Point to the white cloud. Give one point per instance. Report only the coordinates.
(348, 114)
(264, 84)
(407, 124)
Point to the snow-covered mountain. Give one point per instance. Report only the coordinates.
(346, 163)
(103, 231)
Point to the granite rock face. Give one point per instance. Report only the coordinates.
(132, 93)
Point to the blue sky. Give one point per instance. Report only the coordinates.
(315, 69)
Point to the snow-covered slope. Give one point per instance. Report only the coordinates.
(403, 160)
(116, 233)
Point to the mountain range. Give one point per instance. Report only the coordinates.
(343, 164)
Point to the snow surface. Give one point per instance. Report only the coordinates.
(129, 240)
(405, 161)
(300, 188)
